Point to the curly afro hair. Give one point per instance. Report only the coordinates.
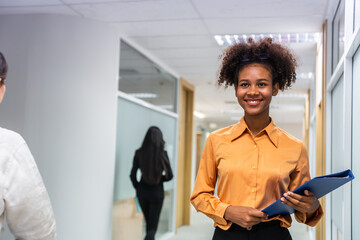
(278, 58)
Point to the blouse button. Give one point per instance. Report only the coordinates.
(252, 190)
(254, 146)
(249, 228)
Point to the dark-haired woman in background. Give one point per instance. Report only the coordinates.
(153, 161)
(253, 162)
(23, 197)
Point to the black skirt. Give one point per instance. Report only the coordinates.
(266, 230)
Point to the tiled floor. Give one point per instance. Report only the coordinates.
(201, 228)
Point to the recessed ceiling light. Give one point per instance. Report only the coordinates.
(143, 95)
(308, 75)
(226, 40)
(199, 114)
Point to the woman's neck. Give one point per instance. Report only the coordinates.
(257, 123)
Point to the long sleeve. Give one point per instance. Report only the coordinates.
(203, 198)
(298, 177)
(27, 205)
(134, 169)
(169, 173)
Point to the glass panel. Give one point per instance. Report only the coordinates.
(338, 34)
(130, 134)
(355, 185)
(144, 79)
(337, 153)
(356, 14)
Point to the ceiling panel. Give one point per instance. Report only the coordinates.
(98, 1)
(259, 8)
(176, 41)
(28, 3)
(187, 53)
(161, 28)
(210, 62)
(56, 9)
(264, 25)
(138, 11)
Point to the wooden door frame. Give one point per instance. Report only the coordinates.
(183, 188)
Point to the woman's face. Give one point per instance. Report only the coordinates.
(255, 90)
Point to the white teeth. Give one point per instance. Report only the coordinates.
(252, 101)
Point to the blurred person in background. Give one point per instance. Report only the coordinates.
(153, 162)
(23, 197)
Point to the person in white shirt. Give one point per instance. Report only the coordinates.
(24, 200)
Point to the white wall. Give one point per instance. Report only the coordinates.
(61, 96)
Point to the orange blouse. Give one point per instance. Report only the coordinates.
(251, 171)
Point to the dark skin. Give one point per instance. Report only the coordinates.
(254, 93)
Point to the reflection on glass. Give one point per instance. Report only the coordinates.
(143, 79)
(133, 121)
(337, 162)
(355, 186)
(338, 34)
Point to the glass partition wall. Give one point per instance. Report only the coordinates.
(337, 156)
(146, 97)
(141, 78)
(342, 117)
(355, 145)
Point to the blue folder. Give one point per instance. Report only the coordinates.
(320, 186)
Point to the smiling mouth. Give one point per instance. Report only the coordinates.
(253, 102)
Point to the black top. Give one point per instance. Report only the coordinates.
(136, 166)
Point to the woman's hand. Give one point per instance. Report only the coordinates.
(244, 216)
(307, 204)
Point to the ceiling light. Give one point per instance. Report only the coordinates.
(277, 37)
(308, 75)
(219, 40)
(199, 114)
(143, 95)
(228, 39)
(236, 37)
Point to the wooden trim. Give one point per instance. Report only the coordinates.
(307, 122)
(321, 133)
(185, 153)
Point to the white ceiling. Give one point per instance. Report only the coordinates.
(181, 34)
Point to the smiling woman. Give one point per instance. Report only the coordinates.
(254, 162)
